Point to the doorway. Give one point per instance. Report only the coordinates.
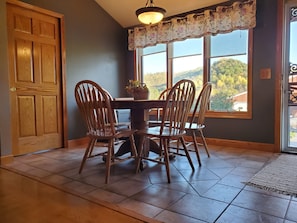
(37, 96)
(289, 143)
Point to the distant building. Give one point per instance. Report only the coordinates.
(240, 101)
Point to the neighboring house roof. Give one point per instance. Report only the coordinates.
(241, 97)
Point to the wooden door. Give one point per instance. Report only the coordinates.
(35, 80)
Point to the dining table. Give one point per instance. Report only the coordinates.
(139, 118)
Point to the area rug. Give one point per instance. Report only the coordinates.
(279, 176)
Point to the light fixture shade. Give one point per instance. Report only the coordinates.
(150, 15)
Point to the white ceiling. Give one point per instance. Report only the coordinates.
(123, 11)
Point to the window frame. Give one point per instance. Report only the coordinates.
(206, 75)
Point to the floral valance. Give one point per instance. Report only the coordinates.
(239, 15)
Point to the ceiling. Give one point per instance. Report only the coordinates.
(123, 11)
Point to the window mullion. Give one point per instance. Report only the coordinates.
(206, 59)
(169, 65)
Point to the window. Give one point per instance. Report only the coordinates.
(187, 59)
(221, 59)
(154, 69)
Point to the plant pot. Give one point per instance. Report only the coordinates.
(138, 91)
(140, 94)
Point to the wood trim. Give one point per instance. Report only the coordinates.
(63, 81)
(78, 142)
(278, 76)
(6, 159)
(34, 8)
(265, 147)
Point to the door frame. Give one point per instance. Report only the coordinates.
(278, 77)
(281, 39)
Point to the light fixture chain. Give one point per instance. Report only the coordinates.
(152, 3)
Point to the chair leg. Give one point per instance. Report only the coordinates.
(133, 147)
(177, 145)
(196, 147)
(134, 151)
(89, 149)
(166, 159)
(187, 153)
(140, 154)
(204, 142)
(108, 160)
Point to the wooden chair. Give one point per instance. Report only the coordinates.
(174, 115)
(162, 96)
(118, 125)
(94, 105)
(196, 121)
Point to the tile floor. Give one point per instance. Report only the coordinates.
(214, 192)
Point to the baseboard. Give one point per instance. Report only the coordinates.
(265, 147)
(77, 142)
(6, 159)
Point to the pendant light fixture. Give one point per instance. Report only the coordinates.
(150, 14)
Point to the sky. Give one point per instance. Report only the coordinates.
(293, 43)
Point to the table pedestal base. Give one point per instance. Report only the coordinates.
(126, 147)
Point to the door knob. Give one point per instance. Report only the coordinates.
(12, 89)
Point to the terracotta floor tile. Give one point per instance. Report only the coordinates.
(199, 207)
(127, 187)
(202, 186)
(78, 187)
(222, 192)
(158, 196)
(292, 211)
(141, 207)
(103, 195)
(172, 217)
(270, 205)
(235, 214)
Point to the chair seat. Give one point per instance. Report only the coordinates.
(153, 123)
(122, 126)
(109, 135)
(193, 126)
(167, 132)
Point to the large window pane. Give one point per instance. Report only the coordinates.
(233, 43)
(188, 47)
(188, 67)
(154, 49)
(293, 43)
(154, 69)
(229, 72)
(187, 61)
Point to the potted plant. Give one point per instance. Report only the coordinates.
(137, 90)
